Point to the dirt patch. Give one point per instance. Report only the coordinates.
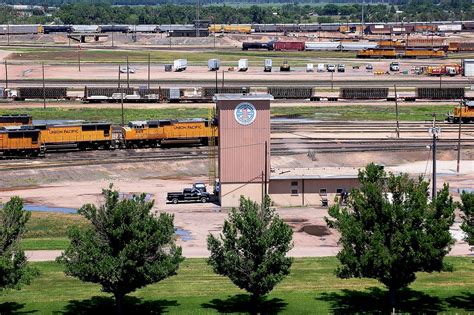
(316, 230)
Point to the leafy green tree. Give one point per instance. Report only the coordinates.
(125, 248)
(14, 270)
(390, 230)
(467, 208)
(252, 248)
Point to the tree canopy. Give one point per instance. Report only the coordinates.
(390, 230)
(252, 248)
(467, 208)
(125, 248)
(14, 270)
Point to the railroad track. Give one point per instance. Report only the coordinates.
(279, 147)
(400, 82)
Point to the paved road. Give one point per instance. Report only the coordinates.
(460, 249)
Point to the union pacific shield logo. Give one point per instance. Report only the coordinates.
(245, 113)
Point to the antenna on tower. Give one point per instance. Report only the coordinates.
(197, 23)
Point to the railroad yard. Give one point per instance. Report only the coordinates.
(351, 129)
(314, 126)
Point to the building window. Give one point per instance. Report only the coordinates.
(322, 191)
(294, 192)
(339, 190)
(294, 183)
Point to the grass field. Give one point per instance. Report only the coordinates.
(48, 230)
(342, 113)
(227, 57)
(311, 288)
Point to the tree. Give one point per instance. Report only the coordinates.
(252, 248)
(14, 270)
(390, 230)
(467, 208)
(125, 247)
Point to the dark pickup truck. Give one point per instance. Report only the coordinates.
(189, 194)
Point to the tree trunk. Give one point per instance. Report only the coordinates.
(392, 297)
(118, 303)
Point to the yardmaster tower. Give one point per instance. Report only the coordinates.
(244, 146)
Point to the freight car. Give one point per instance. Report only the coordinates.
(15, 120)
(20, 29)
(20, 142)
(154, 133)
(289, 46)
(258, 45)
(113, 29)
(50, 29)
(77, 136)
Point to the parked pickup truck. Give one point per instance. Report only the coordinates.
(188, 194)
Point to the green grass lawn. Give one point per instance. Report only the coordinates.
(47, 230)
(227, 57)
(343, 113)
(311, 288)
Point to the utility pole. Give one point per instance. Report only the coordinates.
(266, 166)
(363, 28)
(128, 74)
(44, 88)
(332, 80)
(440, 76)
(459, 137)
(217, 89)
(121, 102)
(149, 63)
(222, 80)
(8, 34)
(113, 38)
(119, 75)
(434, 132)
(6, 74)
(396, 111)
(79, 59)
(197, 23)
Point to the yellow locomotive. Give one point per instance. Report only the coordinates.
(153, 133)
(465, 113)
(20, 142)
(81, 136)
(15, 120)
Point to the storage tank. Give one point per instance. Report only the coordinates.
(292, 46)
(213, 64)
(322, 46)
(243, 64)
(180, 65)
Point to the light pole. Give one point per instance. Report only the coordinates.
(434, 132)
(459, 136)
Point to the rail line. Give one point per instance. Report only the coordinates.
(279, 147)
(400, 82)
